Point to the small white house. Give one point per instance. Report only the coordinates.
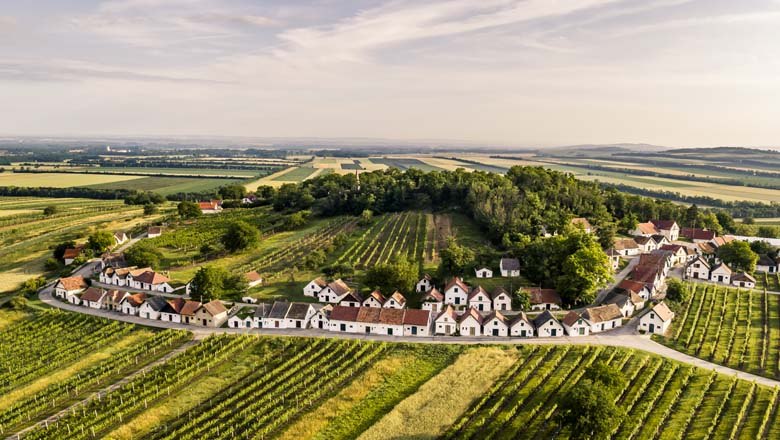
(501, 299)
(425, 284)
(470, 323)
(298, 314)
(350, 299)
(480, 300)
(396, 301)
(212, 314)
(132, 303)
(152, 307)
(253, 279)
(547, 326)
(657, 320)
(433, 300)
(333, 292)
(417, 322)
(172, 310)
(68, 286)
(510, 267)
(739, 279)
(544, 299)
(321, 319)
(521, 326)
(575, 325)
(496, 324)
(314, 287)
(93, 298)
(447, 321)
(483, 272)
(603, 318)
(375, 299)
(698, 269)
(721, 273)
(120, 237)
(768, 264)
(456, 293)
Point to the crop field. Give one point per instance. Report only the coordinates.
(162, 385)
(27, 235)
(736, 328)
(175, 171)
(392, 234)
(297, 174)
(60, 180)
(405, 163)
(168, 185)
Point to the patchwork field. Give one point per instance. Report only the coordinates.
(736, 328)
(117, 381)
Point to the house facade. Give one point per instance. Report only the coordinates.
(657, 320)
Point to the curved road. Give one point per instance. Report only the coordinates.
(622, 337)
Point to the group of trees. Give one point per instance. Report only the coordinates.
(212, 282)
(400, 273)
(589, 409)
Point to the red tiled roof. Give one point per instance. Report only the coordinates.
(473, 313)
(416, 317)
(215, 307)
(697, 233)
(190, 307)
(663, 312)
(602, 313)
(367, 314)
(253, 276)
(151, 277)
(71, 253)
(433, 295)
(571, 318)
(631, 285)
(73, 283)
(646, 228)
(543, 296)
(399, 298)
(476, 291)
(93, 294)
(663, 224)
(391, 316)
(136, 300)
(343, 313)
(456, 281)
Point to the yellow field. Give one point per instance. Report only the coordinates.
(57, 180)
(8, 212)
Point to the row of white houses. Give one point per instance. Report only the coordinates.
(135, 278)
(700, 269)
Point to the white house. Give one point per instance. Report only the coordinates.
(470, 323)
(456, 292)
(768, 264)
(645, 243)
(188, 311)
(149, 280)
(333, 292)
(496, 324)
(132, 303)
(501, 299)
(212, 314)
(575, 325)
(321, 318)
(93, 298)
(679, 253)
(351, 299)
(668, 228)
(375, 299)
(152, 307)
(547, 326)
(483, 272)
(298, 314)
(480, 299)
(154, 231)
(698, 269)
(582, 222)
(639, 288)
(396, 301)
(248, 300)
(314, 287)
(721, 273)
(113, 300)
(627, 247)
(603, 318)
(210, 207)
(68, 286)
(387, 321)
(253, 279)
(417, 322)
(120, 237)
(344, 320)
(510, 267)
(74, 299)
(275, 318)
(425, 284)
(433, 300)
(521, 326)
(447, 321)
(172, 310)
(544, 299)
(739, 279)
(624, 302)
(657, 320)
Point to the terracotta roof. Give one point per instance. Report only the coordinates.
(151, 277)
(116, 295)
(510, 264)
(136, 300)
(543, 296)
(449, 311)
(320, 282)
(644, 274)
(253, 276)
(154, 230)
(190, 307)
(73, 283)
(433, 295)
(663, 224)
(663, 312)
(631, 286)
(697, 234)
(391, 316)
(399, 297)
(720, 241)
(672, 247)
(367, 314)
(646, 228)
(71, 253)
(603, 313)
(377, 295)
(739, 276)
(215, 307)
(471, 312)
(456, 281)
(297, 311)
(93, 294)
(642, 240)
(626, 243)
(542, 318)
(721, 266)
(497, 315)
(339, 287)
(520, 317)
(176, 304)
(342, 313)
(476, 291)
(417, 317)
(706, 248)
(571, 318)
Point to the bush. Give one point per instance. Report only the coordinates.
(100, 241)
(18, 302)
(150, 209)
(50, 210)
(240, 235)
(189, 209)
(676, 291)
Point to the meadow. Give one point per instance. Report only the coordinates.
(737, 328)
(61, 180)
(124, 382)
(169, 185)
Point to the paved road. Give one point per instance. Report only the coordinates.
(625, 336)
(620, 276)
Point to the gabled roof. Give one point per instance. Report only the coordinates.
(426, 277)
(476, 291)
(663, 312)
(660, 238)
(135, 300)
(151, 277)
(646, 228)
(343, 313)
(543, 296)
(664, 224)
(352, 296)
(154, 230)
(456, 281)
(433, 295)
(497, 315)
(93, 294)
(673, 248)
(116, 295)
(449, 311)
(766, 260)
(156, 303)
(262, 310)
(279, 310)
(697, 233)
(473, 313)
(190, 307)
(320, 282)
(520, 317)
(377, 295)
(253, 276)
(399, 298)
(339, 287)
(621, 299)
(603, 313)
(298, 310)
(510, 264)
(71, 253)
(175, 305)
(700, 260)
(391, 316)
(417, 317)
(739, 276)
(120, 235)
(498, 291)
(642, 240)
(721, 266)
(622, 244)
(571, 318)
(367, 314)
(706, 248)
(73, 283)
(114, 260)
(720, 241)
(215, 307)
(631, 286)
(542, 318)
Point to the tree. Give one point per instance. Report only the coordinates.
(366, 217)
(315, 259)
(521, 300)
(589, 411)
(606, 235)
(402, 275)
(582, 274)
(738, 255)
(766, 231)
(209, 283)
(676, 291)
(454, 258)
(143, 256)
(761, 247)
(50, 210)
(602, 373)
(240, 235)
(189, 209)
(748, 221)
(100, 241)
(150, 209)
(691, 216)
(51, 264)
(232, 192)
(19, 302)
(726, 221)
(296, 220)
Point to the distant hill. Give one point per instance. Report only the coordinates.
(601, 149)
(725, 150)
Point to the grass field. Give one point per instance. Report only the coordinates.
(59, 180)
(297, 174)
(175, 171)
(247, 387)
(736, 328)
(168, 185)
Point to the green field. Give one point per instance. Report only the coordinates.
(298, 174)
(248, 387)
(175, 171)
(736, 328)
(169, 185)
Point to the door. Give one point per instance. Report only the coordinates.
(554, 332)
(414, 330)
(471, 331)
(447, 329)
(652, 328)
(522, 333)
(204, 323)
(495, 332)
(390, 332)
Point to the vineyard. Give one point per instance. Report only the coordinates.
(291, 388)
(736, 328)
(768, 281)
(390, 235)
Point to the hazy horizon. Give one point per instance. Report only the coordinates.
(533, 73)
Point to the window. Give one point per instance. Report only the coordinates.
(652, 316)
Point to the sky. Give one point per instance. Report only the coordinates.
(519, 73)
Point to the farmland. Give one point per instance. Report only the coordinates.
(60, 180)
(392, 234)
(168, 185)
(125, 382)
(736, 328)
(27, 234)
